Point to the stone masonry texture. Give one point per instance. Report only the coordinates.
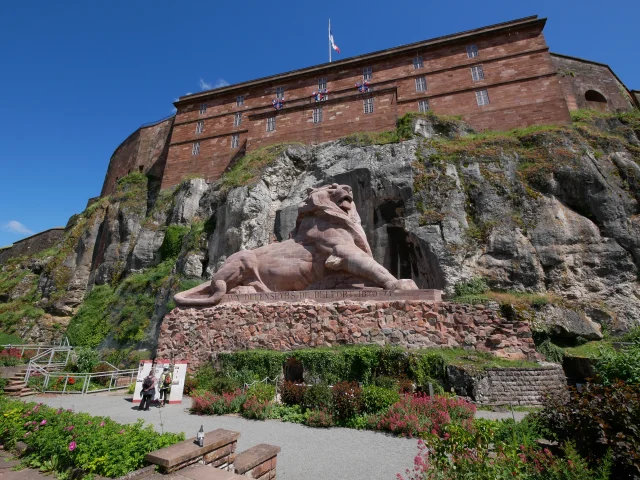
(525, 84)
(195, 335)
(518, 75)
(578, 76)
(33, 244)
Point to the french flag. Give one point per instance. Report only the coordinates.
(333, 45)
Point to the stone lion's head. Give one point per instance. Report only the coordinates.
(334, 199)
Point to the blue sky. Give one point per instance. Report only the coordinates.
(77, 78)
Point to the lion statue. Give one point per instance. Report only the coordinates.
(328, 249)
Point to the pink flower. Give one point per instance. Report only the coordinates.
(102, 424)
(27, 424)
(121, 431)
(89, 423)
(43, 422)
(27, 434)
(72, 446)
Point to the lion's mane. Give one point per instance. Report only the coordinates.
(319, 203)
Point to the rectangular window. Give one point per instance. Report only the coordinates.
(203, 108)
(367, 74)
(368, 105)
(482, 97)
(271, 124)
(477, 73)
(239, 100)
(421, 84)
(199, 127)
(237, 120)
(317, 115)
(472, 51)
(417, 62)
(195, 150)
(279, 92)
(235, 140)
(322, 83)
(423, 106)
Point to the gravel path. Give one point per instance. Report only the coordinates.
(307, 453)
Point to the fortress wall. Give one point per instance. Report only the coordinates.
(33, 244)
(145, 151)
(194, 334)
(578, 76)
(519, 77)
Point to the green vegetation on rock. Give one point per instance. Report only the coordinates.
(124, 312)
(249, 168)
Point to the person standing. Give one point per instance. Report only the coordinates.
(165, 386)
(148, 390)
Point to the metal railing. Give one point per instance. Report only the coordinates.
(82, 383)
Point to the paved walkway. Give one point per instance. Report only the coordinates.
(307, 453)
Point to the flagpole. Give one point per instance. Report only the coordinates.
(329, 38)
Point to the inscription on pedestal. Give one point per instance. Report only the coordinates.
(335, 295)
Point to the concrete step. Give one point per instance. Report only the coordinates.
(14, 388)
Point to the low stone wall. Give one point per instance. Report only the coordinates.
(33, 244)
(518, 386)
(195, 334)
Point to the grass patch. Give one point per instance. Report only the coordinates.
(249, 168)
(517, 299)
(589, 350)
(124, 312)
(8, 339)
(482, 360)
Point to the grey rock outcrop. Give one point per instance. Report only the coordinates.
(548, 212)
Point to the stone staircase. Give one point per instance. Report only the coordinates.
(16, 386)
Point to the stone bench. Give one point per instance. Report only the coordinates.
(218, 450)
(257, 462)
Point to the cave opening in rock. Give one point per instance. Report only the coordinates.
(400, 253)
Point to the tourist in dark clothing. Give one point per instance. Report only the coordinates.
(148, 390)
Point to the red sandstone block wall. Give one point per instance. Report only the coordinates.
(144, 151)
(577, 76)
(518, 75)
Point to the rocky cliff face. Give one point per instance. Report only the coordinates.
(551, 211)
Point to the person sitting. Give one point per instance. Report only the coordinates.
(165, 386)
(148, 390)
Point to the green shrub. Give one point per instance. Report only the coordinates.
(319, 419)
(603, 419)
(288, 413)
(208, 403)
(172, 242)
(388, 383)
(262, 392)
(460, 454)
(86, 359)
(475, 286)
(377, 399)
(60, 441)
(261, 363)
(317, 397)
(551, 352)
(292, 393)
(255, 409)
(621, 365)
(346, 400)
(427, 367)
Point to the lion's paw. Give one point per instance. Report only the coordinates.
(402, 284)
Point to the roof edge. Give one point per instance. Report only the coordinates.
(524, 21)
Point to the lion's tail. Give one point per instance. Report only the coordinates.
(201, 295)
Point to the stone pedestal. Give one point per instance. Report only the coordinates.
(194, 334)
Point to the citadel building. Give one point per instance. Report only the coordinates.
(497, 77)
